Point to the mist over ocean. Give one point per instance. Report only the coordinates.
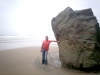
(10, 42)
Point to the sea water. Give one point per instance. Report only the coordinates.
(10, 42)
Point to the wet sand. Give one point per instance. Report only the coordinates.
(27, 61)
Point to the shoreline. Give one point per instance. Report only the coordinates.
(18, 47)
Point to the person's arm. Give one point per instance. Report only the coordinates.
(41, 47)
(55, 41)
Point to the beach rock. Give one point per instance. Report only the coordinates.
(79, 35)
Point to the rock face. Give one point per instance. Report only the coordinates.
(79, 36)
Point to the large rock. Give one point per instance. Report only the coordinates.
(79, 36)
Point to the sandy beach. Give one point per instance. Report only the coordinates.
(27, 61)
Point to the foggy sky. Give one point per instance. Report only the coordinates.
(33, 17)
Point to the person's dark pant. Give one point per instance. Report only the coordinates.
(44, 57)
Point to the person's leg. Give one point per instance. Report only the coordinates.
(43, 56)
(46, 53)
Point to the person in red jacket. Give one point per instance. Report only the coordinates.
(45, 48)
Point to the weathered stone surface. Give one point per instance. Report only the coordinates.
(79, 36)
